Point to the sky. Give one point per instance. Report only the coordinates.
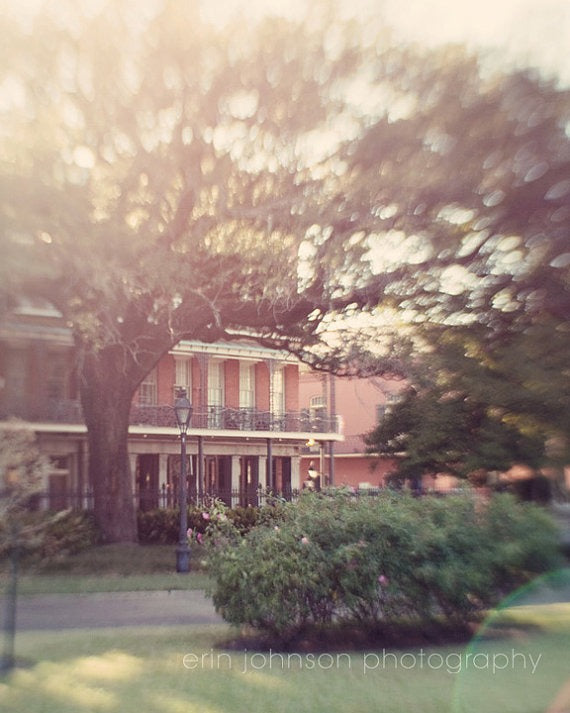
(527, 31)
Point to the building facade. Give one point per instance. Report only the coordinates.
(355, 405)
(246, 435)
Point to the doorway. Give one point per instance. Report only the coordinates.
(147, 481)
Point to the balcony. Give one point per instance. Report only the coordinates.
(215, 418)
(223, 418)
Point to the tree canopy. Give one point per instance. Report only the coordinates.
(161, 178)
(469, 409)
(271, 175)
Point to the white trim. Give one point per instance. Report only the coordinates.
(236, 351)
(237, 435)
(350, 456)
(18, 334)
(209, 433)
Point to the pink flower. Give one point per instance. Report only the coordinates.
(382, 580)
(304, 540)
(199, 538)
(206, 515)
(189, 532)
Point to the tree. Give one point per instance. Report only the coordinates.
(471, 173)
(162, 179)
(451, 433)
(21, 470)
(154, 183)
(473, 409)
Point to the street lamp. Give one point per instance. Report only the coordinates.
(183, 412)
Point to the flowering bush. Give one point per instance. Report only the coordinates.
(162, 526)
(376, 561)
(194, 536)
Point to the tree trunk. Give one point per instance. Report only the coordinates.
(106, 394)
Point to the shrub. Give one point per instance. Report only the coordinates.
(244, 518)
(162, 526)
(158, 527)
(68, 533)
(378, 561)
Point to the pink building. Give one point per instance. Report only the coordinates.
(246, 435)
(356, 404)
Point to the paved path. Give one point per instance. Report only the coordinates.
(177, 607)
(88, 611)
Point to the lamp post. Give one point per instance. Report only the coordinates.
(183, 412)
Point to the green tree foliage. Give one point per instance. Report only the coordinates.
(436, 432)
(472, 407)
(157, 181)
(163, 179)
(21, 470)
(471, 172)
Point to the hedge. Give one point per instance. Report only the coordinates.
(377, 562)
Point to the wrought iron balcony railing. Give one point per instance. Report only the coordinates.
(236, 419)
(210, 417)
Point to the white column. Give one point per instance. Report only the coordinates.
(262, 472)
(162, 477)
(83, 463)
(133, 466)
(295, 473)
(235, 480)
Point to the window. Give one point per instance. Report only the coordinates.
(246, 385)
(15, 388)
(278, 391)
(382, 410)
(183, 375)
(56, 377)
(148, 390)
(215, 383)
(216, 396)
(318, 412)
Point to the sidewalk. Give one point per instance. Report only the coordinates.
(113, 609)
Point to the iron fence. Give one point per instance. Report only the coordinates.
(161, 498)
(167, 497)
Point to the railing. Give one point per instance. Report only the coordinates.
(236, 419)
(167, 497)
(210, 417)
(162, 498)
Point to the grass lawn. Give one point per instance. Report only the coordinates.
(188, 670)
(109, 568)
(519, 661)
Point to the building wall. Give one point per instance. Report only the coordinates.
(356, 404)
(165, 380)
(199, 383)
(292, 387)
(262, 394)
(232, 383)
(356, 471)
(38, 382)
(357, 400)
(362, 470)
